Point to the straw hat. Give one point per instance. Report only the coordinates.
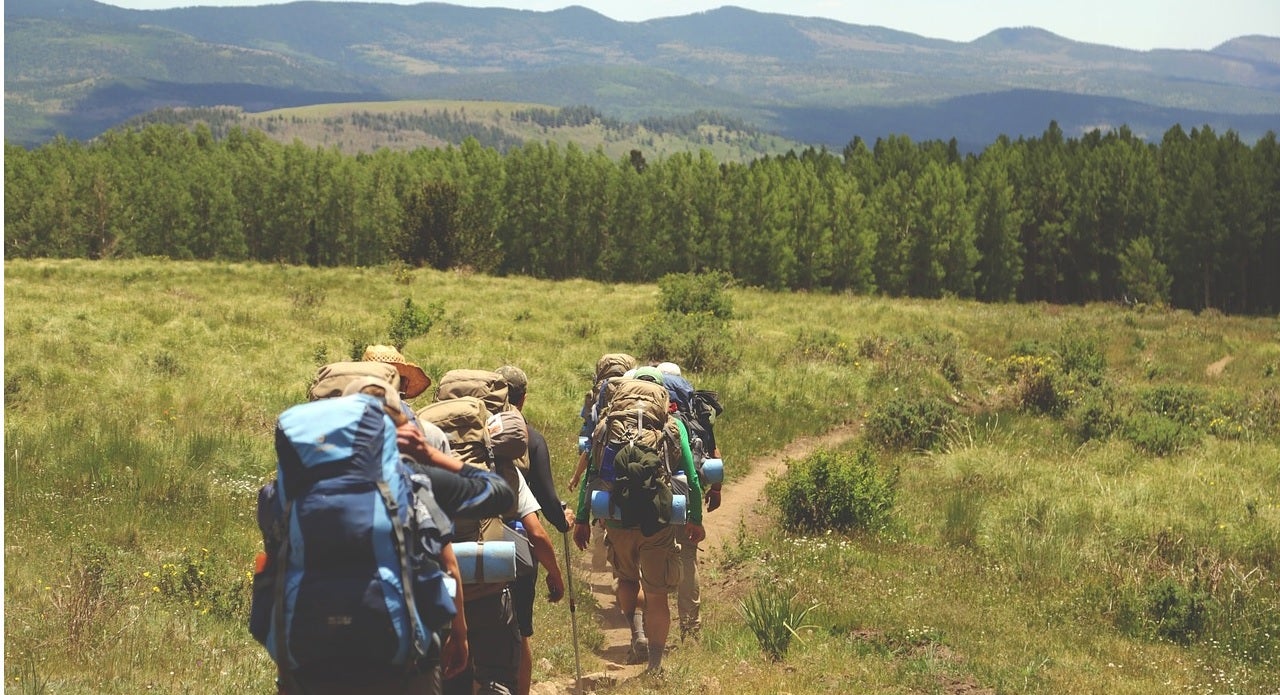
(413, 381)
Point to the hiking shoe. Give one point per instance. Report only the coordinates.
(639, 652)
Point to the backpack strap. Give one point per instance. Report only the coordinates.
(406, 576)
(282, 563)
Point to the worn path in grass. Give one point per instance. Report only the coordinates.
(743, 501)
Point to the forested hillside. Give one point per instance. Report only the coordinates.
(1193, 221)
(78, 67)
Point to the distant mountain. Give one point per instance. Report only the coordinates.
(79, 66)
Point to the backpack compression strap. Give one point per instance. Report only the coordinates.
(406, 577)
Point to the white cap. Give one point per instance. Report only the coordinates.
(669, 368)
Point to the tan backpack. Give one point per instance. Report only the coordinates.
(493, 441)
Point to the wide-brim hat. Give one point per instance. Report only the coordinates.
(413, 380)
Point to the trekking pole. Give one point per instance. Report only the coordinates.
(573, 615)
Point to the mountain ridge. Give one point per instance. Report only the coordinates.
(64, 56)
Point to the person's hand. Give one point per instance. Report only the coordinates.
(569, 516)
(555, 587)
(695, 532)
(573, 482)
(411, 441)
(455, 654)
(713, 497)
(581, 534)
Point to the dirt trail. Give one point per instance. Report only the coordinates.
(1216, 368)
(743, 501)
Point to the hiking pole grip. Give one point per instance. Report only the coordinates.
(573, 614)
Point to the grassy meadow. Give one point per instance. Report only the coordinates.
(347, 127)
(1086, 499)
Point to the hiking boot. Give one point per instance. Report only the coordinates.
(639, 652)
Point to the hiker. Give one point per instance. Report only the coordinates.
(610, 366)
(542, 485)
(487, 432)
(687, 404)
(413, 381)
(494, 633)
(633, 441)
(318, 502)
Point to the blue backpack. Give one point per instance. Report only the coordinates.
(352, 578)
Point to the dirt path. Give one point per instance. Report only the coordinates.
(743, 501)
(1216, 368)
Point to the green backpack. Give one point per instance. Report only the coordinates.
(642, 487)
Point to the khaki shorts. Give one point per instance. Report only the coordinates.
(653, 561)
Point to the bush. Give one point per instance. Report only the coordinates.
(904, 422)
(830, 491)
(1039, 384)
(696, 293)
(1164, 609)
(1157, 434)
(1095, 417)
(411, 321)
(1080, 353)
(697, 342)
(1182, 404)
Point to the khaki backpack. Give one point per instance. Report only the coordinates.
(493, 441)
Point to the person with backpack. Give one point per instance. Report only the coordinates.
(473, 408)
(633, 451)
(542, 485)
(610, 367)
(697, 410)
(353, 591)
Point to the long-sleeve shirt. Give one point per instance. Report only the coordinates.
(541, 483)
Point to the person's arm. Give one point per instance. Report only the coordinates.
(545, 553)
(411, 442)
(471, 493)
(541, 483)
(578, 472)
(713, 492)
(456, 651)
(693, 502)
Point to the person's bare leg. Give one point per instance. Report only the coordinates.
(524, 676)
(657, 625)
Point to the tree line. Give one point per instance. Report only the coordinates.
(1192, 221)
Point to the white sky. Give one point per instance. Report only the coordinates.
(1138, 24)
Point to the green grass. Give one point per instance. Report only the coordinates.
(1019, 557)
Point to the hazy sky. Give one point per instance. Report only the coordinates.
(1139, 24)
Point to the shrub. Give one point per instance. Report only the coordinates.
(411, 321)
(1157, 434)
(1174, 612)
(1182, 404)
(1095, 417)
(696, 293)
(831, 491)
(1080, 353)
(1039, 384)
(698, 342)
(905, 422)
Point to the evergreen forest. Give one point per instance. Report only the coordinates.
(1191, 221)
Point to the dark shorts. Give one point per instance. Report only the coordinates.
(523, 591)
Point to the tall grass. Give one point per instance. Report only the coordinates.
(1037, 550)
